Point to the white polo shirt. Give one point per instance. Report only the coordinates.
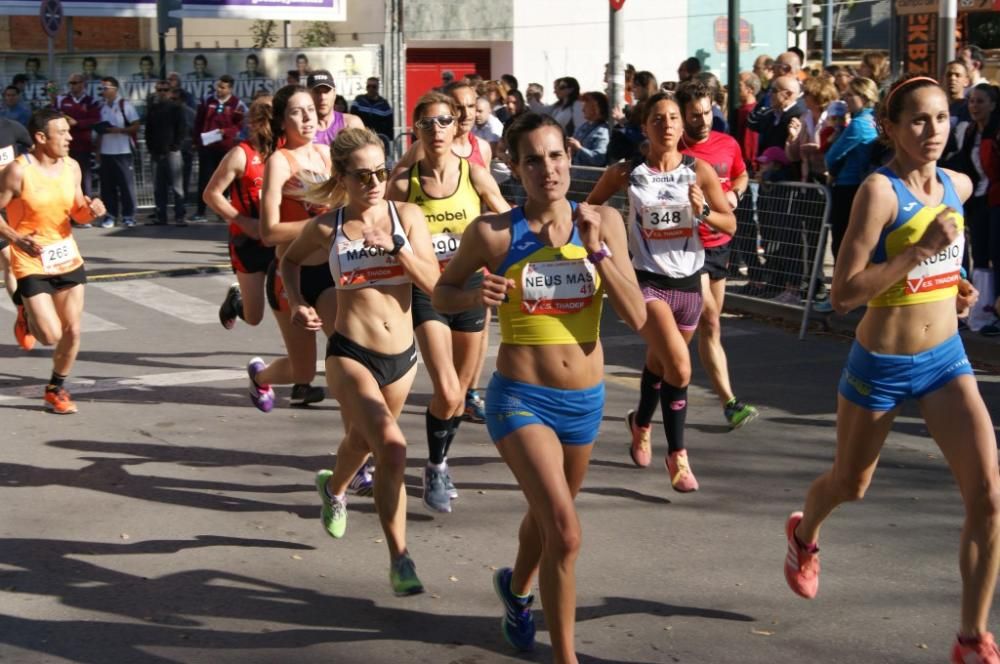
(119, 113)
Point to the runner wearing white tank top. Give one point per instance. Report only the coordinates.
(669, 195)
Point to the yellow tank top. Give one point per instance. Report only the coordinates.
(446, 217)
(558, 296)
(43, 208)
(937, 277)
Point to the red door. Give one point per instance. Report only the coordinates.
(424, 67)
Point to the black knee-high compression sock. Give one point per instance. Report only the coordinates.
(55, 382)
(437, 437)
(649, 396)
(674, 403)
(455, 421)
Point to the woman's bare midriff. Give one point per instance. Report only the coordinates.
(378, 319)
(566, 367)
(907, 330)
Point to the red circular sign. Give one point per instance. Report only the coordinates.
(617, 4)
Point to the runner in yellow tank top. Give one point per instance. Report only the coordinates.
(41, 193)
(451, 192)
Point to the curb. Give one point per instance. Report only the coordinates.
(153, 274)
(981, 350)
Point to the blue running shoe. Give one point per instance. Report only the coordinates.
(518, 626)
(475, 408)
(363, 483)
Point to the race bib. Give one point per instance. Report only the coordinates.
(6, 155)
(58, 256)
(942, 270)
(445, 246)
(557, 287)
(365, 266)
(667, 221)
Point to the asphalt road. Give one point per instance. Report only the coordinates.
(169, 521)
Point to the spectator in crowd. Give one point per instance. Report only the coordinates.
(487, 126)
(496, 92)
(763, 68)
(533, 97)
(117, 130)
(33, 70)
(842, 75)
(373, 109)
(165, 132)
(849, 158)
(803, 142)
(253, 70)
(876, 66)
(510, 81)
(979, 158)
(145, 72)
(447, 77)
(82, 112)
(200, 72)
(747, 138)
(956, 82)
(89, 66)
(13, 108)
(292, 77)
(589, 144)
(627, 138)
(771, 120)
(216, 126)
(514, 105)
(798, 53)
(174, 79)
(568, 109)
(187, 145)
(787, 64)
(688, 69)
(302, 68)
(974, 60)
(340, 104)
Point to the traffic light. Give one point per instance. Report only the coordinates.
(163, 19)
(796, 16)
(812, 13)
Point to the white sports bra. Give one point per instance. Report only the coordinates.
(353, 265)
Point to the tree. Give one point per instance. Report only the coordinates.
(265, 33)
(317, 34)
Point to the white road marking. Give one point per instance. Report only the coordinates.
(164, 300)
(89, 323)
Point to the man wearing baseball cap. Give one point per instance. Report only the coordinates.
(324, 92)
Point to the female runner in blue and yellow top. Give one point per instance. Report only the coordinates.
(451, 192)
(550, 263)
(902, 256)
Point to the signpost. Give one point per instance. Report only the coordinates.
(51, 15)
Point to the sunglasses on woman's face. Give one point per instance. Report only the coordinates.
(365, 177)
(442, 121)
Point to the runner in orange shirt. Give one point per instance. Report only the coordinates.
(41, 193)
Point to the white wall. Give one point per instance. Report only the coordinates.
(556, 38)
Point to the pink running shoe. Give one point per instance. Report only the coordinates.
(641, 450)
(801, 566)
(681, 476)
(983, 652)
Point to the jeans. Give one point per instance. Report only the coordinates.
(118, 180)
(187, 154)
(168, 175)
(208, 161)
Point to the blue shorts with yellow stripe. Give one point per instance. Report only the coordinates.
(880, 382)
(574, 415)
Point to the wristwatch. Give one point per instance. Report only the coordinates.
(600, 255)
(398, 242)
(705, 211)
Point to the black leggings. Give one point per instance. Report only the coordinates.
(983, 222)
(841, 199)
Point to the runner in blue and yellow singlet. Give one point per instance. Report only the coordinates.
(550, 262)
(902, 256)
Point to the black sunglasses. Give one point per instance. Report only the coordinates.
(442, 121)
(365, 177)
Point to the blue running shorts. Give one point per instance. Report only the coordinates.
(881, 382)
(574, 415)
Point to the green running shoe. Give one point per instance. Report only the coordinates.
(334, 512)
(739, 413)
(403, 577)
